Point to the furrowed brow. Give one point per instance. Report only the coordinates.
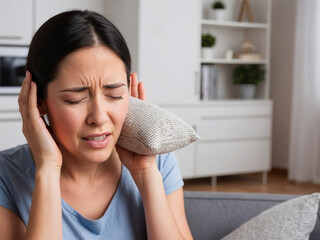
(114, 85)
(77, 89)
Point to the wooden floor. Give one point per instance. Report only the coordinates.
(252, 183)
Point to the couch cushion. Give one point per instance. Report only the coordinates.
(213, 215)
(290, 220)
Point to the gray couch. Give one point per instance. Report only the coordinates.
(213, 215)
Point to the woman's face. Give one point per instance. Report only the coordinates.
(88, 102)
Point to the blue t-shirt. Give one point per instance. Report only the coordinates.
(124, 218)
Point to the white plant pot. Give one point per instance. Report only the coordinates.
(211, 13)
(219, 14)
(247, 91)
(207, 52)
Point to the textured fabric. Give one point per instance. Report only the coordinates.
(212, 215)
(124, 218)
(291, 220)
(149, 129)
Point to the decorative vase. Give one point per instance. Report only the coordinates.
(207, 52)
(247, 91)
(211, 14)
(219, 14)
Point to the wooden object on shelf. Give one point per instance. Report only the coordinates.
(249, 56)
(245, 6)
(248, 51)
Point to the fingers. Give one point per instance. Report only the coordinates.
(137, 88)
(24, 95)
(142, 92)
(32, 104)
(134, 85)
(28, 103)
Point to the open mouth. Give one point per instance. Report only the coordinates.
(99, 138)
(98, 141)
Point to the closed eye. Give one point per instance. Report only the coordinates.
(115, 97)
(74, 101)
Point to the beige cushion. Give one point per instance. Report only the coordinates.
(149, 129)
(292, 220)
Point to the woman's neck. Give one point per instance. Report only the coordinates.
(86, 173)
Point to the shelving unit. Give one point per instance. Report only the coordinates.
(235, 133)
(230, 34)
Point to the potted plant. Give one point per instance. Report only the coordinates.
(207, 43)
(247, 77)
(219, 10)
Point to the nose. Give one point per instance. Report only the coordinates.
(97, 112)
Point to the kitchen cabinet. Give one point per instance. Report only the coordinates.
(10, 123)
(16, 21)
(20, 19)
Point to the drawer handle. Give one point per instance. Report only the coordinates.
(11, 37)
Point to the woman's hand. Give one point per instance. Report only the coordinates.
(43, 147)
(137, 88)
(137, 164)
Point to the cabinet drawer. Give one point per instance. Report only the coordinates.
(234, 128)
(11, 133)
(214, 159)
(16, 22)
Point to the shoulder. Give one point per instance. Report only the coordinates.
(17, 180)
(17, 159)
(14, 154)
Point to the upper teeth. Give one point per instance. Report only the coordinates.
(97, 138)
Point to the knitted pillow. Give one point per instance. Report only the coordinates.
(149, 129)
(291, 220)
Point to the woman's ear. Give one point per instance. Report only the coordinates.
(42, 106)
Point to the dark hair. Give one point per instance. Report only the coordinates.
(65, 33)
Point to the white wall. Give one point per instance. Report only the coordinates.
(125, 15)
(281, 77)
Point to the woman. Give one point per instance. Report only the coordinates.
(71, 181)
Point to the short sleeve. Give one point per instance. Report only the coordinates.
(171, 175)
(5, 197)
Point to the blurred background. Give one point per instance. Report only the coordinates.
(243, 73)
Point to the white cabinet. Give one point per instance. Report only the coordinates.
(168, 50)
(234, 157)
(235, 137)
(10, 123)
(16, 22)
